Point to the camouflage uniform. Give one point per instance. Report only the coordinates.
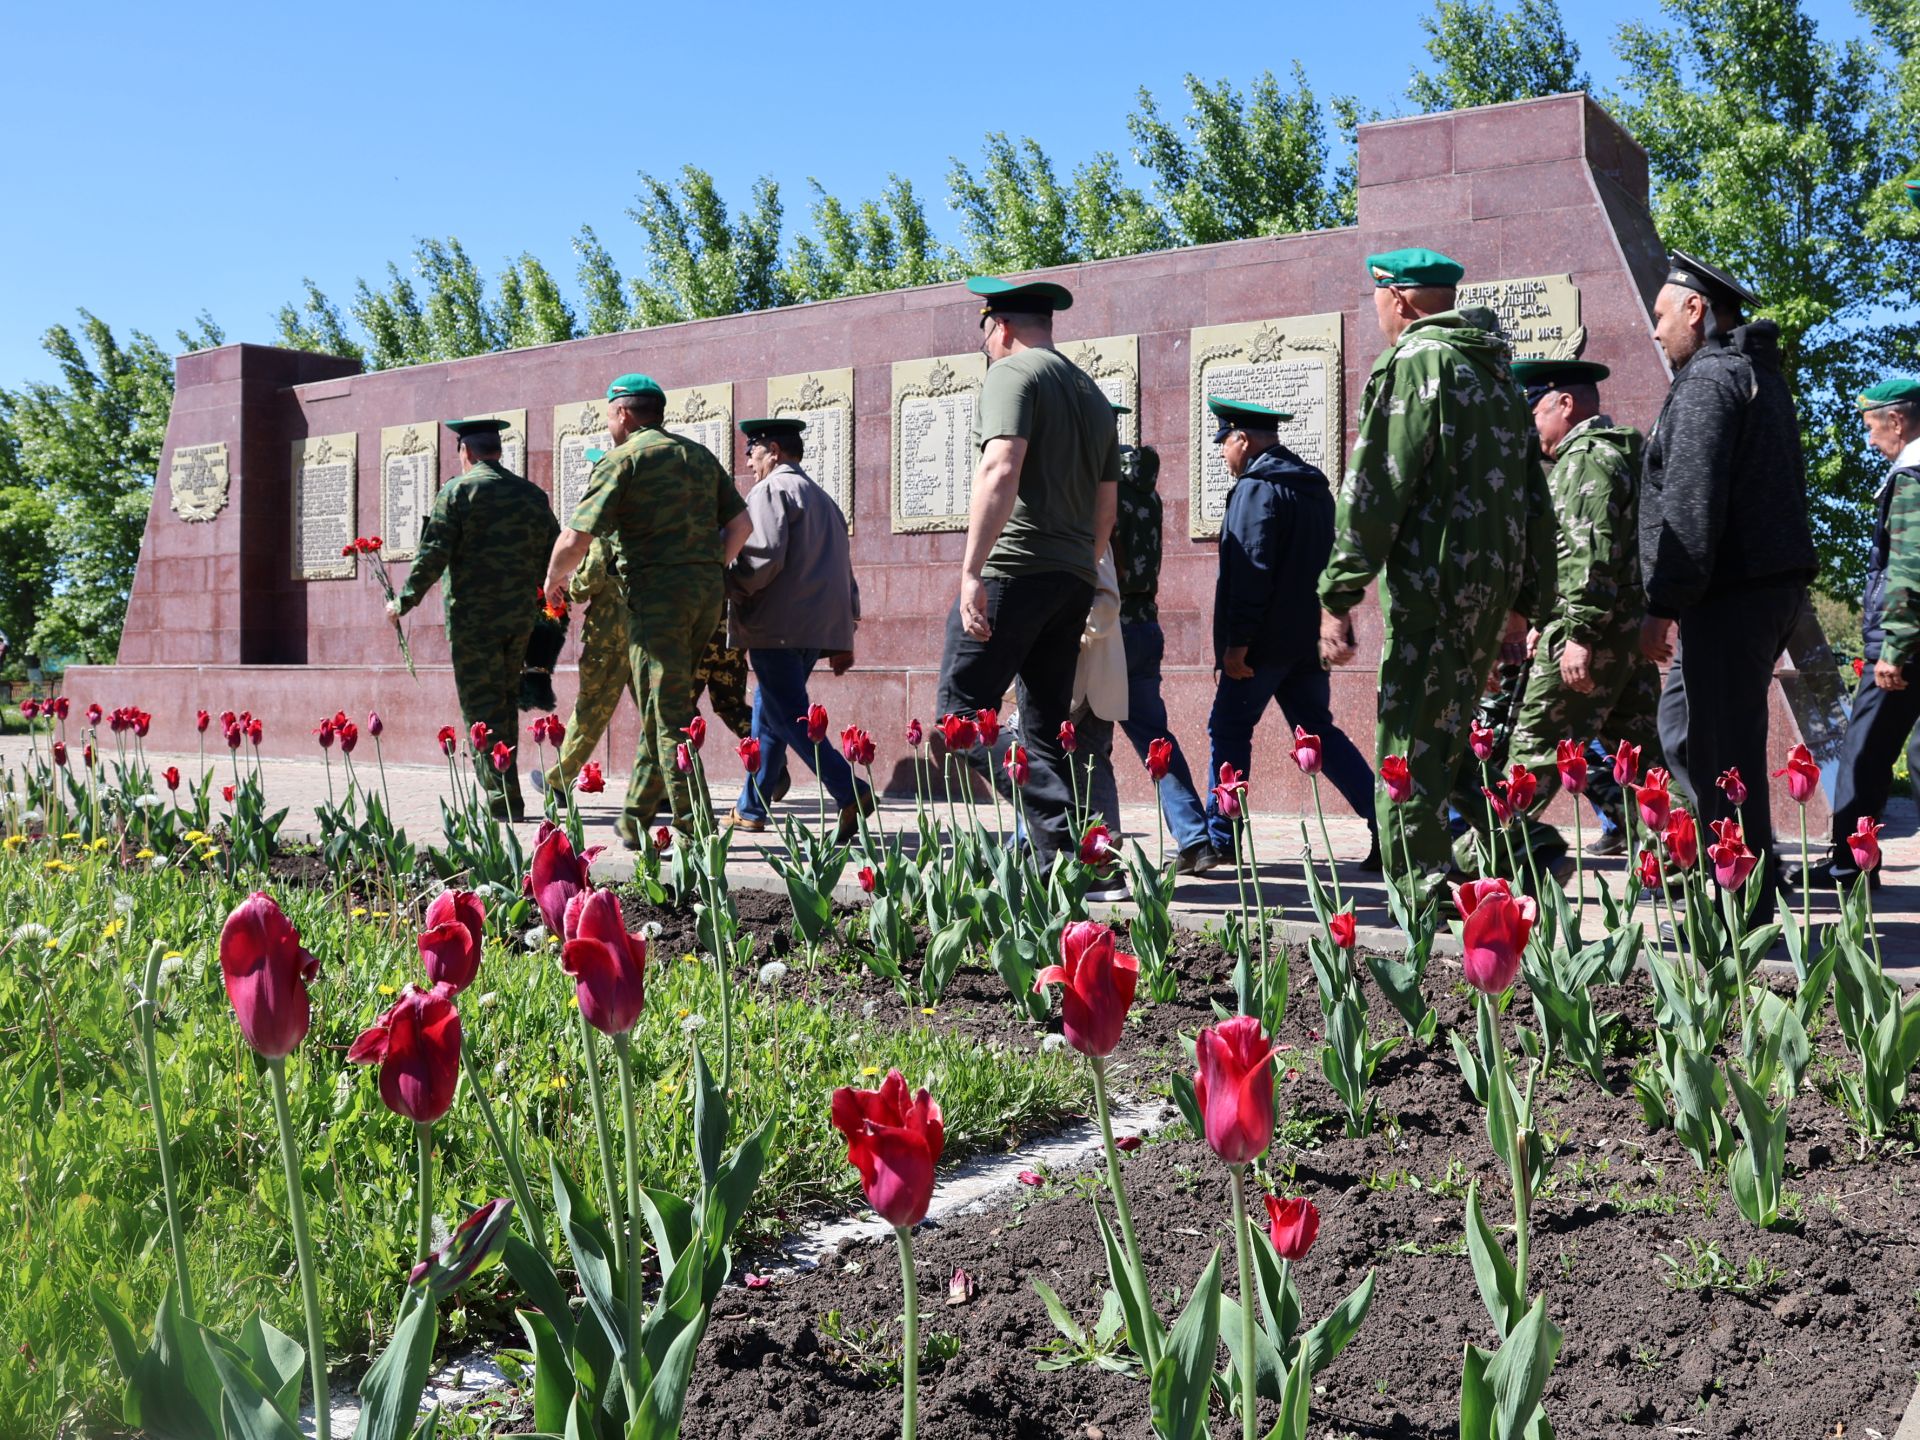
(663, 500)
(604, 671)
(722, 673)
(1445, 498)
(490, 533)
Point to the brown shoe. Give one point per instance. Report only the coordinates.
(737, 821)
(850, 816)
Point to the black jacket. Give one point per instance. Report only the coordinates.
(1724, 503)
(1274, 542)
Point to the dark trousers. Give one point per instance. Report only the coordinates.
(780, 723)
(1146, 721)
(1713, 708)
(1037, 621)
(1880, 723)
(1302, 690)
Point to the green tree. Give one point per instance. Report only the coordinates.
(1483, 56)
(601, 287)
(1017, 215)
(1773, 152)
(26, 547)
(317, 324)
(883, 244)
(531, 310)
(699, 261)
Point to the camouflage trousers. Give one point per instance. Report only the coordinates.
(722, 673)
(605, 675)
(486, 675)
(664, 648)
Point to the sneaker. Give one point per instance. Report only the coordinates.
(784, 784)
(538, 779)
(1611, 842)
(1109, 882)
(1196, 859)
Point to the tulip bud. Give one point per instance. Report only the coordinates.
(1069, 741)
(592, 781)
(416, 1044)
(1293, 1226)
(266, 974)
(750, 755)
(1734, 786)
(1016, 763)
(1864, 842)
(696, 732)
(1306, 751)
(682, 758)
(1341, 928)
(1803, 775)
(374, 727)
(502, 757)
(1480, 737)
(866, 879)
(915, 734)
(894, 1140)
(1234, 1088)
(1571, 760)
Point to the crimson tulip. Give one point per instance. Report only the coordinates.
(60, 707)
(172, 776)
(477, 735)
(1570, 757)
(608, 964)
(266, 974)
(1159, 759)
(142, 722)
(663, 839)
(93, 715)
(1682, 840)
(1801, 772)
(1293, 1225)
(349, 737)
(1234, 1088)
(1398, 779)
(233, 735)
(449, 740)
(30, 709)
(683, 758)
(60, 753)
(1307, 751)
(1521, 787)
(1859, 666)
(915, 734)
(592, 781)
(226, 793)
(374, 727)
(1230, 793)
(695, 730)
(1864, 842)
(1732, 861)
(857, 745)
(1626, 764)
(1649, 870)
(1502, 811)
(1069, 740)
(1734, 786)
(987, 722)
(201, 720)
(1495, 933)
(1100, 981)
(816, 722)
(894, 1140)
(227, 719)
(537, 732)
(1016, 763)
(959, 732)
(556, 875)
(502, 756)
(1096, 846)
(1341, 928)
(416, 1044)
(1480, 738)
(339, 720)
(866, 879)
(86, 754)
(1656, 801)
(450, 945)
(750, 755)
(254, 731)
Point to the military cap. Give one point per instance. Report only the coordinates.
(1888, 392)
(774, 427)
(635, 385)
(1003, 297)
(594, 455)
(464, 428)
(1913, 191)
(1243, 415)
(1415, 265)
(1537, 377)
(1121, 409)
(1711, 281)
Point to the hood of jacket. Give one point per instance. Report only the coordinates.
(1474, 332)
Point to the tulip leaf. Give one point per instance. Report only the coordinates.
(1500, 1393)
(671, 1220)
(534, 1274)
(590, 1263)
(666, 1397)
(944, 955)
(739, 1179)
(1183, 1375)
(247, 1408)
(1294, 1401)
(278, 1359)
(1492, 1272)
(390, 1390)
(553, 1380)
(709, 1119)
(1145, 1334)
(1270, 1366)
(1188, 1103)
(1279, 1296)
(126, 1350)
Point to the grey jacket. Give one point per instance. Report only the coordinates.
(792, 587)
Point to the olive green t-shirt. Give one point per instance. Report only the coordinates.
(1072, 449)
(663, 499)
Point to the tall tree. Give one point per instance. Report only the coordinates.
(1017, 214)
(1484, 56)
(317, 324)
(27, 559)
(883, 244)
(700, 262)
(601, 287)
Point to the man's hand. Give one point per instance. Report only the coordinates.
(1533, 643)
(1234, 663)
(1656, 639)
(557, 596)
(1337, 642)
(1513, 643)
(1576, 667)
(393, 613)
(1888, 676)
(840, 662)
(973, 607)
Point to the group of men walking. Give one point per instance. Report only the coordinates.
(1509, 521)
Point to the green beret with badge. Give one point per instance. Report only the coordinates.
(1889, 392)
(1538, 377)
(773, 427)
(1004, 297)
(1414, 267)
(635, 385)
(1244, 415)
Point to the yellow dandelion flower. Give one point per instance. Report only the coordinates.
(573, 1001)
(210, 853)
(358, 911)
(197, 837)
(14, 842)
(870, 1070)
(99, 843)
(71, 835)
(682, 1013)
(686, 959)
(380, 914)
(558, 1082)
(173, 955)
(143, 854)
(56, 866)
(385, 989)
(113, 928)
(926, 1009)
(52, 944)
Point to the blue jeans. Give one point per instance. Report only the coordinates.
(1303, 691)
(779, 721)
(1146, 722)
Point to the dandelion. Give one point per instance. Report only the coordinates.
(869, 1010)
(170, 964)
(14, 842)
(28, 933)
(487, 1000)
(692, 1023)
(149, 802)
(359, 912)
(558, 1082)
(123, 903)
(772, 973)
(926, 1009)
(869, 1070)
(386, 990)
(112, 928)
(210, 853)
(143, 854)
(1053, 1042)
(381, 914)
(197, 837)
(98, 843)
(650, 930)
(71, 835)
(536, 937)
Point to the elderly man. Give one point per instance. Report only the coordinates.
(1887, 703)
(676, 520)
(1725, 548)
(793, 600)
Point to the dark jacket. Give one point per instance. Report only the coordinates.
(1724, 503)
(1274, 542)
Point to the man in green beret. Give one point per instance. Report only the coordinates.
(675, 519)
(1446, 501)
(1886, 703)
(488, 532)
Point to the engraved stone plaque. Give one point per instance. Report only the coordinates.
(409, 468)
(198, 480)
(577, 429)
(326, 498)
(1539, 313)
(513, 440)
(1114, 364)
(933, 454)
(824, 399)
(704, 413)
(1292, 364)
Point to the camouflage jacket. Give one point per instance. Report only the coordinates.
(1595, 486)
(1136, 536)
(597, 576)
(1445, 496)
(662, 500)
(490, 534)
(1896, 605)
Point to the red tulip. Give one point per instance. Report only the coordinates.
(1495, 933)
(349, 737)
(172, 776)
(450, 945)
(1502, 811)
(1398, 779)
(1801, 772)
(1735, 787)
(556, 876)
(1480, 737)
(60, 707)
(1159, 759)
(987, 722)
(1683, 840)
(1649, 870)
(592, 782)
(750, 755)
(1230, 793)
(374, 727)
(233, 735)
(1570, 756)
(1069, 741)
(1234, 1086)
(915, 734)
(86, 754)
(696, 731)
(266, 974)
(1626, 764)
(1096, 846)
(502, 756)
(1100, 981)
(226, 793)
(1864, 842)
(1859, 666)
(30, 709)
(59, 752)
(893, 1140)
(959, 732)
(1293, 1225)
(866, 878)
(537, 732)
(1732, 861)
(1016, 763)
(1306, 751)
(608, 964)
(475, 1241)
(340, 720)
(683, 758)
(449, 740)
(93, 715)
(477, 735)
(254, 730)
(1656, 801)
(1341, 927)
(201, 720)
(142, 722)
(663, 839)
(416, 1044)
(816, 722)
(227, 719)
(857, 745)
(1521, 787)
(1128, 1143)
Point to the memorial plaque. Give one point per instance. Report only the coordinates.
(198, 480)
(704, 413)
(577, 429)
(1539, 313)
(326, 502)
(824, 399)
(933, 451)
(409, 468)
(1114, 364)
(513, 440)
(1292, 364)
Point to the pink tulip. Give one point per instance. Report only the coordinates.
(266, 974)
(1099, 981)
(1293, 1225)
(1803, 775)
(609, 964)
(450, 945)
(416, 1044)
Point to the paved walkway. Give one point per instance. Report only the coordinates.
(417, 791)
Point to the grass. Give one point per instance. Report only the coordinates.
(86, 1207)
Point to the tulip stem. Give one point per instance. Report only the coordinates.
(1151, 1352)
(1806, 889)
(149, 999)
(596, 1093)
(516, 1177)
(1259, 906)
(303, 1252)
(1579, 861)
(423, 1134)
(910, 1350)
(1333, 870)
(1866, 885)
(623, 1057)
(1249, 1369)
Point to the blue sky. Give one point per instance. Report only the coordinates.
(165, 160)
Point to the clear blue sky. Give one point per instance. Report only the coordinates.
(161, 160)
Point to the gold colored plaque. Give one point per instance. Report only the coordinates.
(409, 476)
(577, 428)
(513, 440)
(704, 413)
(934, 402)
(1539, 313)
(326, 506)
(824, 399)
(1114, 364)
(198, 480)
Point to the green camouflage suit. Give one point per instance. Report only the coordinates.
(722, 673)
(1446, 500)
(662, 499)
(490, 533)
(604, 671)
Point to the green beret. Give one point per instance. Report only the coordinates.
(594, 455)
(464, 428)
(1121, 409)
(1414, 265)
(1537, 377)
(1888, 392)
(635, 385)
(1003, 297)
(1243, 415)
(1913, 191)
(775, 427)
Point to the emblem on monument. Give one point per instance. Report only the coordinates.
(198, 479)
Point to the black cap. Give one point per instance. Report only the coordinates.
(1717, 285)
(774, 427)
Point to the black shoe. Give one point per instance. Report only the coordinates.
(1196, 859)
(1611, 842)
(1108, 882)
(1371, 865)
(504, 809)
(779, 791)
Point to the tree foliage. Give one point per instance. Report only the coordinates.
(1017, 214)
(1483, 56)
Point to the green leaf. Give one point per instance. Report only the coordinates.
(1057, 1311)
(944, 955)
(532, 1272)
(1518, 1374)
(390, 1390)
(247, 1409)
(1325, 1341)
(666, 1397)
(278, 1359)
(1492, 1272)
(553, 1380)
(1183, 1377)
(590, 1263)
(1145, 1334)
(709, 1118)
